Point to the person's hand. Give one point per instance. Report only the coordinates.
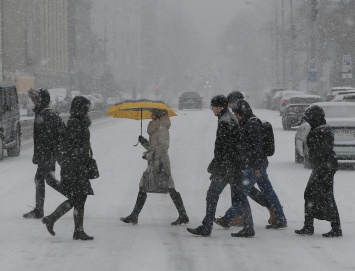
(257, 173)
(141, 139)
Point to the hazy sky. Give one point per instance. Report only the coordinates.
(211, 16)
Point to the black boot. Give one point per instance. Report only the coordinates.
(333, 233)
(200, 230)
(306, 230)
(246, 232)
(183, 218)
(79, 233)
(222, 222)
(59, 212)
(133, 217)
(35, 213)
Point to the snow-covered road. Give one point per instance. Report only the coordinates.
(153, 244)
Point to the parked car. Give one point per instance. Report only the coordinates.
(296, 105)
(334, 90)
(276, 100)
(339, 97)
(190, 100)
(10, 127)
(110, 101)
(99, 101)
(349, 98)
(340, 116)
(267, 101)
(285, 96)
(59, 100)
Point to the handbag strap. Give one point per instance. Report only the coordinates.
(90, 152)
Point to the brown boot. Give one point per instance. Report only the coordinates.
(237, 221)
(272, 218)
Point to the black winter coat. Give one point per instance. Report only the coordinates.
(74, 180)
(48, 135)
(319, 194)
(226, 163)
(320, 142)
(251, 137)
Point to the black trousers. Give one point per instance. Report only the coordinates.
(44, 174)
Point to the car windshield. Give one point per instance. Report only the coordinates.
(341, 111)
(190, 95)
(290, 94)
(304, 100)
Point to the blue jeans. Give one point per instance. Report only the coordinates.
(239, 200)
(266, 188)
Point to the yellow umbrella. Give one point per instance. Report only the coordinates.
(138, 109)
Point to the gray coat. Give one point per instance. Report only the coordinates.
(157, 148)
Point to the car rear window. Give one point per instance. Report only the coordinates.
(339, 111)
(190, 95)
(304, 100)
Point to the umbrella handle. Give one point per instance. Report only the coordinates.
(136, 144)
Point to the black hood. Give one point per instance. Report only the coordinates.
(315, 116)
(42, 96)
(79, 107)
(242, 108)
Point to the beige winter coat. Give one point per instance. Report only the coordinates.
(157, 148)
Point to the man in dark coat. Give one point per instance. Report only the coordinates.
(319, 195)
(75, 183)
(48, 133)
(225, 168)
(256, 163)
(253, 193)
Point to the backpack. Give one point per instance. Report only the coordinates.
(267, 137)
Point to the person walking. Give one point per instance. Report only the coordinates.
(225, 168)
(48, 134)
(319, 201)
(253, 193)
(158, 158)
(75, 183)
(256, 165)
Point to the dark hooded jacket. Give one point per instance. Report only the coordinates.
(251, 136)
(74, 180)
(320, 139)
(319, 195)
(226, 163)
(48, 131)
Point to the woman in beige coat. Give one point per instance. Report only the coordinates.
(158, 159)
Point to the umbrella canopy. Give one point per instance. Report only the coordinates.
(138, 109)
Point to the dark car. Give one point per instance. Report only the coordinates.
(190, 100)
(10, 127)
(269, 95)
(293, 112)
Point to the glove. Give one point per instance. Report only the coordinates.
(141, 139)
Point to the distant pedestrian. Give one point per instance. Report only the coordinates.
(158, 159)
(319, 201)
(75, 183)
(225, 168)
(48, 134)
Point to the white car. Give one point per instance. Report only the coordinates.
(340, 116)
(335, 90)
(339, 97)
